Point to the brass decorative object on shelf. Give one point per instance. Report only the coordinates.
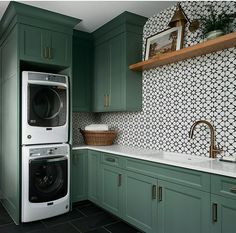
(194, 25)
(179, 19)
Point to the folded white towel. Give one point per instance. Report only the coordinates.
(97, 127)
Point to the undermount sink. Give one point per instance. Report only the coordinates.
(177, 157)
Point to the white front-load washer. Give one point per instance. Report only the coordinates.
(45, 181)
(45, 108)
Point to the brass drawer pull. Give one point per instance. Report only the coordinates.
(233, 189)
(110, 160)
(160, 193)
(119, 180)
(45, 52)
(214, 212)
(50, 53)
(105, 101)
(154, 192)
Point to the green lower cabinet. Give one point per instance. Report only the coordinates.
(94, 176)
(182, 209)
(223, 214)
(140, 201)
(111, 189)
(78, 175)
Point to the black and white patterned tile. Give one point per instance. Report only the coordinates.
(176, 95)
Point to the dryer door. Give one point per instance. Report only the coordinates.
(47, 105)
(48, 179)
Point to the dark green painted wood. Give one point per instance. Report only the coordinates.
(10, 149)
(117, 94)
(115, 44)
(183, 209)
(224, 186)
(111, 189)
(79, 175)
(34, 16)
(36, 42)
(101, 76)
(122, 21)
(186, 177)
(226, 215)
(140, 203)
(32, 43)
(111, 159)
(82, 87)
(61, 46)
(94, 172)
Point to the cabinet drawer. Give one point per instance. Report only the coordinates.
(187, 177)
(111, 159)
(224, 186)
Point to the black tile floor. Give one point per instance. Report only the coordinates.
(85, 217)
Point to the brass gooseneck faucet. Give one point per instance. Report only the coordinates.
(213, 150)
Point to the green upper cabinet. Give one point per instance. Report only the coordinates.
(44, 46)
(182, 209)
(82, 71)
(118, 44)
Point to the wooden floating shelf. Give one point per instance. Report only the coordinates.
(223, 42)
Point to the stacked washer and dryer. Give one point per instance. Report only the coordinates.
(45, 148)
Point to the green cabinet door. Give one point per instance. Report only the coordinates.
(111, 189)
(60, 49)
(82, 87)
(101, 77)
(223, 214)
(94, 176)
(33, 43)
(79, 175)
(117, 45)
(117, 94)
(182, 209)
(140, 201)
(44, 46)
(109, 75)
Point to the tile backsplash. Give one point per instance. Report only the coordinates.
(176, 95)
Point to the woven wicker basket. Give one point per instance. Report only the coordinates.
(98, 138)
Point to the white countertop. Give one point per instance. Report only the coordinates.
(204, 164)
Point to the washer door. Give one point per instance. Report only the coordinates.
(48, 179)
(47, 105)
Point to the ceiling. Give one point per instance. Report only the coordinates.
(96, 13)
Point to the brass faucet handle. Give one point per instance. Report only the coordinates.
(218, 150)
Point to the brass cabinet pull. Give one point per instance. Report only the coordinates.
(108, 101)
(104, 101)
(160, 193)
(50, 53)
(214, 212)
(119, 180)
(110, 160)
(45, 52)
(233, 189)
(154, 192)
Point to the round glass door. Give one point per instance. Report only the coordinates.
(47, 103)
(48, 179)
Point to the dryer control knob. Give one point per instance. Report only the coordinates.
(29, 136)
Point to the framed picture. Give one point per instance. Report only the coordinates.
(163, 42)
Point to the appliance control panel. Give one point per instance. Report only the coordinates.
(35, 152)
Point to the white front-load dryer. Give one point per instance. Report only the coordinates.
(45, 108)
(45, 181)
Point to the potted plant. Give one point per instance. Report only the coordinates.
(215, 25)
